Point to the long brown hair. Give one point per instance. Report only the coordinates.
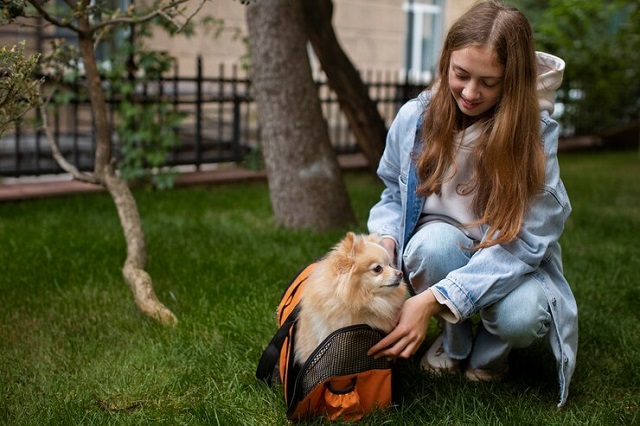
(508, 156)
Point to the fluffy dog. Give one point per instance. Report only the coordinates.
(354, 283)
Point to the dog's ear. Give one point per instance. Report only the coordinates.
(346, 245)
(350, 245)
(358, 245)
(341, 255)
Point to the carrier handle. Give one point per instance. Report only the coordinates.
(271, 354)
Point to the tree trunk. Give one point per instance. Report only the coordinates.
(133, 271)
(362, 113)
(305, 180)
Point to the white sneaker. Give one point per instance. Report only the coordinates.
(436, 359)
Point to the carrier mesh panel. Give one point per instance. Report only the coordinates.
(343, 353)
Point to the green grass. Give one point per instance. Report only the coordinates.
(75, 351)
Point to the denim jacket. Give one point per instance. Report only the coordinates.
(492, 272)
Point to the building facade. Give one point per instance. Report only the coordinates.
(399, 36)
(380, 35)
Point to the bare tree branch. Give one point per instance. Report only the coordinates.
(162, 11)
(120, 20)
(57, 154)
(52, 19)
(190, 17)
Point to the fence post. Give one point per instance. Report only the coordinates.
(175, 94)
(219, 143)
(198, 145)
(18, 129)
(235, 137)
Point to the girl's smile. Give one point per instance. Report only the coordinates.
(468, 104)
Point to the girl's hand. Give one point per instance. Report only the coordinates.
(406, 338)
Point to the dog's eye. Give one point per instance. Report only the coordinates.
(377, 269)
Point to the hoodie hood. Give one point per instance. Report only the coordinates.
(550, 71)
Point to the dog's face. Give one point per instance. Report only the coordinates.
(364, 270)
(354, 283)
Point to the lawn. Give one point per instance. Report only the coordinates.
(75, 351)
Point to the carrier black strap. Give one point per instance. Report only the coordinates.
(271, 354)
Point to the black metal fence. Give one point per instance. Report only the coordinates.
(220, 124)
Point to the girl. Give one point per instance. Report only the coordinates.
(474, 206)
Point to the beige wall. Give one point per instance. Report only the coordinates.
(454, 9)
(372, 32)
(227, 48)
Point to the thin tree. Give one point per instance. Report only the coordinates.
(305, 180)
(80, 18)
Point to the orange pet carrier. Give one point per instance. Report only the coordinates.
(339, 380)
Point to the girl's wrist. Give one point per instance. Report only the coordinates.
(431, 304)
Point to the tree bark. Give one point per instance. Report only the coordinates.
(362, 113)
(305, 180)
(133, 270)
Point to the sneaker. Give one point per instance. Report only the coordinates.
(478, 375)
(436, 359)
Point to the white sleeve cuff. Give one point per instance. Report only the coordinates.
(451, 314)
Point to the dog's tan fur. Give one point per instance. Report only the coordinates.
(354, 283)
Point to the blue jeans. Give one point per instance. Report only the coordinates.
(515, 321)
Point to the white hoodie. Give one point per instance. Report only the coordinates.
(550, 71)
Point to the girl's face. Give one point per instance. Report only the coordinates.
(475, 79)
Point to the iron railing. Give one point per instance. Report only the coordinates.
(220, 124)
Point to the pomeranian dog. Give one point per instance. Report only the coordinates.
(354, 283)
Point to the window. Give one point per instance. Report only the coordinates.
(424, 38)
